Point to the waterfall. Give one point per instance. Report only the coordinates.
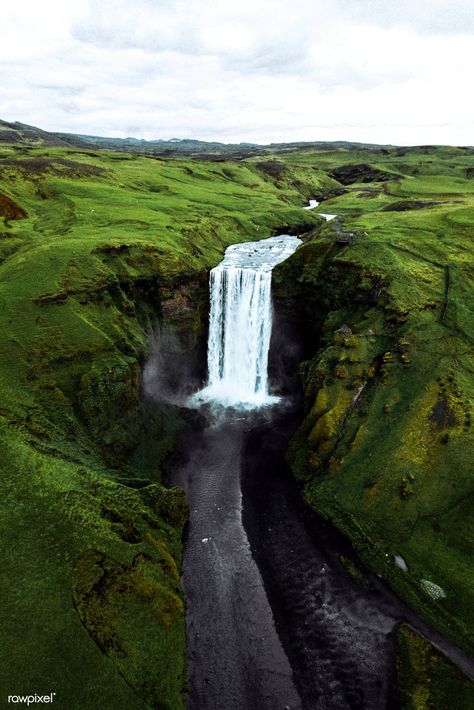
(240, 322)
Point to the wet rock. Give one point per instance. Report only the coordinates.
(406, 205)
(344, 329)
(363, 172)
(433, 590)
(400, 562)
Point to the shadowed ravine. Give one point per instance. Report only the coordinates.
(235, 658)
(338, 632)
(338, 642)
(274, 619)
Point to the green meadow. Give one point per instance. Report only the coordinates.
(386, 449)
(91, 245)
(94, 246)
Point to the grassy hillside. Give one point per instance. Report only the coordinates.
(425, 679)
(386, 449)
(97, 251)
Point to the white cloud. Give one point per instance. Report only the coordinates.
(260, 70)
(437, 16)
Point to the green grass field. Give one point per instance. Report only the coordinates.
(392, 464)
(93, 246)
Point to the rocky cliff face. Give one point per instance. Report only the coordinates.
(384, 448)
(89, 514)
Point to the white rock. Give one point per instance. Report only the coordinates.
(433, 590)
(400, 562)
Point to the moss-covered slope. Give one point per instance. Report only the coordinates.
(98, 252)
(426, 680)
(386, 448)
(100, 249)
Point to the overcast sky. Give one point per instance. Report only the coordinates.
(242, 70)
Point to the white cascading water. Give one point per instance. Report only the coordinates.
(240, 323)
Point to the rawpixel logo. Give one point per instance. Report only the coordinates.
(31, 699)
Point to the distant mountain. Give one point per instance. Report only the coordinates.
(21, 133)
(173, 146)
(30, 135)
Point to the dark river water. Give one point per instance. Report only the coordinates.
(274, 620)
(235, 657)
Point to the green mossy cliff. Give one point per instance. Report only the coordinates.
(100, 252)
(386, 447)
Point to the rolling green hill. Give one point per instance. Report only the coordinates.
(386, 448)
(99, 249)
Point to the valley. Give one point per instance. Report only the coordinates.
(104, 264)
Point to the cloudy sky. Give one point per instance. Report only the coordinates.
(242, 70)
